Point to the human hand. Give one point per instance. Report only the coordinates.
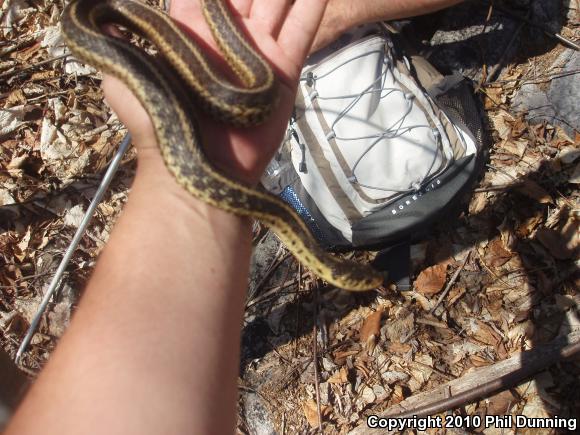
(283, 33)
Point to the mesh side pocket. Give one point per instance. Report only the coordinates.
(460, 105)
(291, 198)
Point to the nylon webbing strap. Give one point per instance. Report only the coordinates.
(345, 204)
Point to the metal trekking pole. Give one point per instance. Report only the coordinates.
(111, 171)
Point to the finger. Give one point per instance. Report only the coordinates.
(299, 28)
(128, 109)
(183, 9)
(270, 14)
(189, 14)
(243, 7)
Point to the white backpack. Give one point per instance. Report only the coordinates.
(380, 145)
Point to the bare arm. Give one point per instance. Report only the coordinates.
(145, 350)
(154, 345)
(342, 15)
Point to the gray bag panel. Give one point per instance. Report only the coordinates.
(414, 214)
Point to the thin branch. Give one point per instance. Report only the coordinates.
(33, 66)
(23, 42)
(315, 356)
(499, 66)
(540, 26)
(519, 368)
(541, 79)
(450, 283)
(273, 266)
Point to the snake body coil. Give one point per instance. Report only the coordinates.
(158, 83)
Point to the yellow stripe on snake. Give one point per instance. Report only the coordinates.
(159, 83)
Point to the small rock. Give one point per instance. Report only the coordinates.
(564, 92)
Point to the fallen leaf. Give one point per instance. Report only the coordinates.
(503, 123)
(340, 357)
(311, 412)
(371, 327)
(493, 97)
(27, 308)
(423, 301)
(441, 251)
(16, 162)
(15, 97)
(528, 226)
(519, 127)
(58, 319)
(575, 176)
(508, 237)
(484, 333)
(455, 294)
(381, 393)
(339, 377)
(421, 371)
(398, 394)
(431, 280)
(368, 396)
(535, 408)
(6, 198)
(24, 242)
(496, 255)
(562, 245)
(478, 203)
(398, 347)
(520, 333)
(533, 190)
(12, 118)
(460, 350)
(391, 377)
(42, 75)
(74, 216)
(400, 327)
(479, 361)
(516, 147)
(543, 283)
(568, 154)
(13, 323)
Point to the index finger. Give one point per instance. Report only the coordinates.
(299, 28)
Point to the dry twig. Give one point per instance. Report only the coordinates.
(487, 380)
(450, 283)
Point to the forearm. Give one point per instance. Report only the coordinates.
(145, 350)
(342, 15)
(380, 10)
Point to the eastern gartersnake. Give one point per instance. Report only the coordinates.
(158, 83)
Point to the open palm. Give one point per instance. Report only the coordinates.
(283, 31)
